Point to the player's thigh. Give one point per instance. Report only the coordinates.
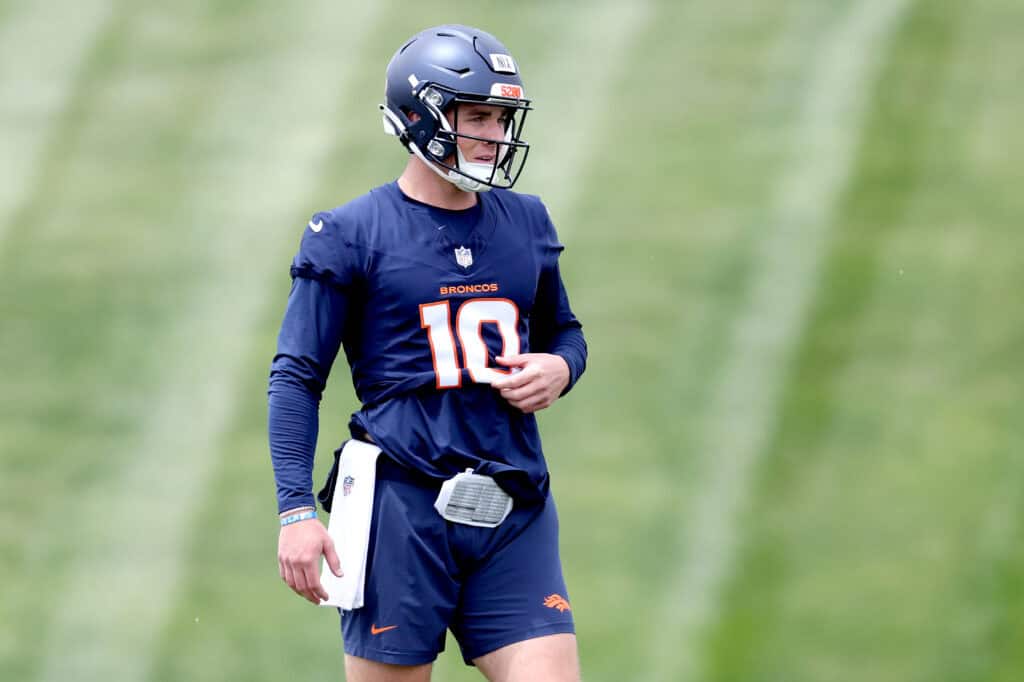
(364, 670)
(410, 590)
(551, 658)
(518, 592)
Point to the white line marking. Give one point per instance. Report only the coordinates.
(41, 53)
(134, 527)
(787, 261)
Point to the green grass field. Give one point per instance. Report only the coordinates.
(793, 240)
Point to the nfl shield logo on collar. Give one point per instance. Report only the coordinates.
(463, 256)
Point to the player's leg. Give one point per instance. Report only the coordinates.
(410, 591)
(552, 658)
(364, 670)
(514, 620)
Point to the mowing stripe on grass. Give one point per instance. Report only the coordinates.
(271, 130)
(574, 103)
(785, 264)
(41, 54)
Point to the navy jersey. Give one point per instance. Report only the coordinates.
(421, 310)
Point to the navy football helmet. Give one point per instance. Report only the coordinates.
(434, 73)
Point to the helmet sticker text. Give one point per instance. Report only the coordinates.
(503, 63)
(506, 90)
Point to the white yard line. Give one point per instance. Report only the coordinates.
(42, 49)
(786, 262)
(135, 526)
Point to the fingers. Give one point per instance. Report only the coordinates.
(522, 386)
(533, 404)
(298, 581)
(550, 372)
(514, 378)
(295, 577)
(529, 398)
(522, 393)
(295, 580)
(304, 580)
(315, 592)
(299, 554)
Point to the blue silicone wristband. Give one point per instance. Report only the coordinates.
(295, 518)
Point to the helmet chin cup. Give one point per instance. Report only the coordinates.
(466, 184)
(480, 175)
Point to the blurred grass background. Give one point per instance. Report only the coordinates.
(792, 231)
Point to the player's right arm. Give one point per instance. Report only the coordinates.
(309, 340)
(307, 345)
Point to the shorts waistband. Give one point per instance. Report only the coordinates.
(391, 470)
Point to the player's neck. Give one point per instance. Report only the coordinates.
(424, 185)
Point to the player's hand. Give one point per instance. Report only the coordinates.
(299, 548)
(540, 380)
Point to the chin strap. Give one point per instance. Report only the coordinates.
(457, 179)
(466, 184)
(479, 171)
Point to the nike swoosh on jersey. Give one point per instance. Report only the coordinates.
(317, 226)
(374, 630)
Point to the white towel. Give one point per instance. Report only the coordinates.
(349, 527)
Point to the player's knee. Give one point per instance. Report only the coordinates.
(552, 658)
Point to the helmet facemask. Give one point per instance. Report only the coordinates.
(510, 151)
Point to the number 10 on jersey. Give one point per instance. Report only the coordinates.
(472, 315)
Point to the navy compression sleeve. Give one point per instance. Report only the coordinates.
(554, 328)
(306, 347)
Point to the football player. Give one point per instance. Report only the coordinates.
(443, 288)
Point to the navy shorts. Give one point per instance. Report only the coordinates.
(491, 586)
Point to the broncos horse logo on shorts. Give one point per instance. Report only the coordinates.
(557, 601)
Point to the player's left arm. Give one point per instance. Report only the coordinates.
(561, 350)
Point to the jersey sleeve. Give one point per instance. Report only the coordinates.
(328, 252)
(307, 345)
(553, 325)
